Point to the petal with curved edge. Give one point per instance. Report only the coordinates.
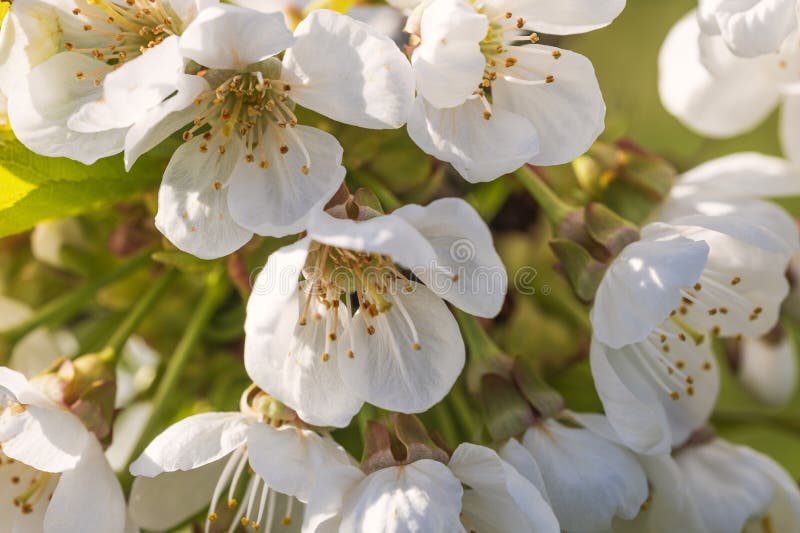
(132, 90)
(790, 127)
(289, 459)
(479, 149)
(20, 388)
(231, 37)
(384, 235)
(448, 63)
(88, 498)
(725, 486)
(584, 471)
(193, 442)
(671, 506)
(744, 281)
(783, 513)
(305, 170)
(48, 439)
(567, 112)
(643, 285)
(39, 114)
(387, 369)
(517, 456)
(499, 498)
(372, 84)
(422, 496)
(768, 369)
(468, 272)
(331, 488)
(297, 364)
(753, 27)
(564, 17)
(657, 392)
(165, 501)
(164, 119)
(744, 175)
(193, 199)
(128, 428)
(700, 82)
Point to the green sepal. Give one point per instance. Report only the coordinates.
(418, 443)
(583, 271)
(506, 411)
(608, 229)
(544, 398)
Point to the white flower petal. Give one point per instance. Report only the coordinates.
(385, 235)
(163, 502)
(193, 200)
(642, 286)
(648, 403)
(479, 149)
(422, 496)
(30, 34)
(48, 439)
(744, 175)
(768, 370)
(327, 498)
(568, 113)
(448, 64)
(14, 520)
(88, 498)
(387, 370)
(499, 499)
(739, 249)
(517, 456)
(132, 90)
(193, 442)
(464, 248)
(586, 472)
(289, 459)
(128, 428)
(784, 511)
(39, 114)
(671, 507)
(276, 201)
(371, 86)
(165, 119)
(700, 82)
(230, 37)
(564, 17)
(286, 360)
(753, 27)
(728, 489)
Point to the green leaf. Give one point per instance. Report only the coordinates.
(37, 188)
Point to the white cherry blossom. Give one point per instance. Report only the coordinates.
(53, 474)
(79, 74)
(738, 489)
(658, 302)
(587, 479)
(428, 495)
(357, 328)
(247, 165)
(204, 458)
(700, 76)
(487, 106)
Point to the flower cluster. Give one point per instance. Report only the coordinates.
(364, 327)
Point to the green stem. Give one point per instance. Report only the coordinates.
(444, 421)
(389, 201)
(554, 207)
(470, 424)
(215, 293)
(67, 305)
(137, 313)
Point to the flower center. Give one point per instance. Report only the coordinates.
(333, 275)
(30, 488)
(245, 105)
(497, 47)
(258, 505)
(124, 31)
